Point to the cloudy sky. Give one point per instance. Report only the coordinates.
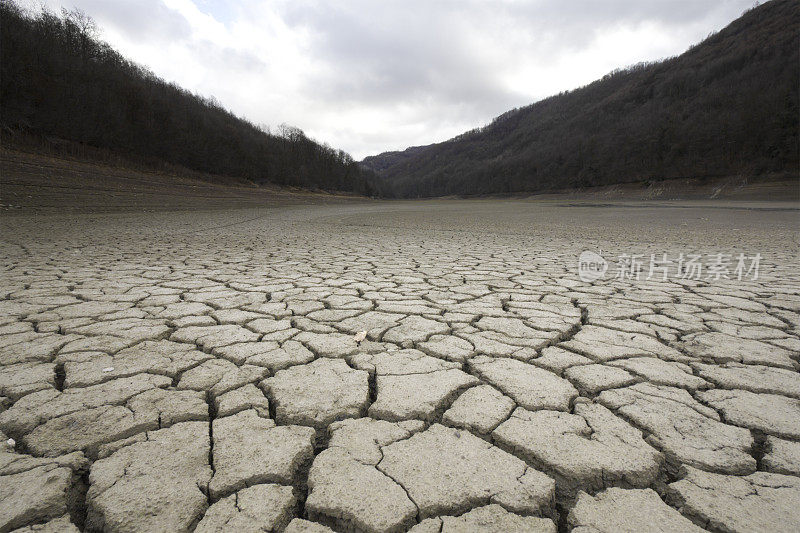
(374, 75)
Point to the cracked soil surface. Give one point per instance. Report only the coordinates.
(390, 367)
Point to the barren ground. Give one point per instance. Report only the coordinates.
(386, 366)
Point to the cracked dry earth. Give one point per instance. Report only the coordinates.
(205, 371)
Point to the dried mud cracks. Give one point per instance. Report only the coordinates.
(212, 381)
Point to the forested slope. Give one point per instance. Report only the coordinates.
(726, 107)
(59, 82)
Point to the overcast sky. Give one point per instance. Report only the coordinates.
(369, 76)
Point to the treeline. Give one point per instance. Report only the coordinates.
(726, 107)
(58, 80)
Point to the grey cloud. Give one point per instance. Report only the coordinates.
(378, 53)
(229, 58)
(398, 54)
(139, 20)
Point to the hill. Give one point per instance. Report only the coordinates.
(381, 162)
(61, 86)
(727, 107)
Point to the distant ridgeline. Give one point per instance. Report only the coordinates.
(726, 107)
(57, 80)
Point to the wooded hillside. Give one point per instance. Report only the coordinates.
(726, 107)
(58, 81)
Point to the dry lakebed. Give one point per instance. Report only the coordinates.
(425, 366)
